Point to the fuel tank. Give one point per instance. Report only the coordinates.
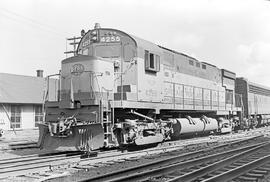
(182, 126)
(210, 124)
(187, 126)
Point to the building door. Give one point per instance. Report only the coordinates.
(15, 119)
(38, 114)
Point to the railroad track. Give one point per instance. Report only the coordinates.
(50, 161)
(33, 163)
(17, 145)
(191, 166)
(221, 168)
(23, 145)
(252, 168)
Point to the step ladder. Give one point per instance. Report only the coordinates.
(107, 124)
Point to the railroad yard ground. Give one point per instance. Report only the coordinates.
(20, 135)
(75, 169)
(17, 137)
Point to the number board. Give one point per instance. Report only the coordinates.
(110, 36)
(110, 39)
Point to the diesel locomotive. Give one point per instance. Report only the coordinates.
(120, 90)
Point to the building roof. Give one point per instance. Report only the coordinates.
(21, 89)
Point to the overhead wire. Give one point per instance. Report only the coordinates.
(33, 23)
(30, 21)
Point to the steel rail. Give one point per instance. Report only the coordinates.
(166, 149)
(217, 165)
(32, 163)
(36, 156)
(22, 143)
(157, 167)
(234, 173)
(33, 160)
(22, 165)
(32, 166)
(189, 164)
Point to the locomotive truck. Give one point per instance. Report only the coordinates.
(120, 90)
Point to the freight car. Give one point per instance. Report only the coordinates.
(119, 89)
(256, 103)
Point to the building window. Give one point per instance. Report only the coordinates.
(203, 66)
(191, 62)
(229, 97)
(38, 114)
(152, 61)
(15, 117)
(198, 65)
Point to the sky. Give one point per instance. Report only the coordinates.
(231, 34)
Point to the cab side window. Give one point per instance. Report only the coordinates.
(152, 61)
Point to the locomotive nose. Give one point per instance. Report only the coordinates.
(86, 77)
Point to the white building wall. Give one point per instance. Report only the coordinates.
(27, 117)
(4, 121)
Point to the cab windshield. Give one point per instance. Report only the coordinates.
(108, 51)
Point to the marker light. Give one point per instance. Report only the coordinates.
(94, 33)
(94, 38)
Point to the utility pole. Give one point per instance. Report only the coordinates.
(74, 43)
